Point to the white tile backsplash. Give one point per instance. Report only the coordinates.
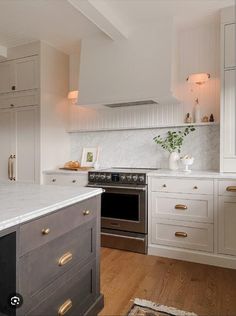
(136, 148)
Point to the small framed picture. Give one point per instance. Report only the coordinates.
(89, 157)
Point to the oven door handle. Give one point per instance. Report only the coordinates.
(117, 187)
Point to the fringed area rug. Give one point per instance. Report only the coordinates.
(148, 308)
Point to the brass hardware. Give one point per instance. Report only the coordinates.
(181, 234)
(231, 189)
(12, 105)
(54, 180)
(65, 259)
(73, 181)
(13, 87)
(10, 167)
(164, 186)
(45, 231)
(181, 207)
(86, 212)
(195, 187)
(65, 307)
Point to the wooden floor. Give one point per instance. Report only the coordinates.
(205, 290)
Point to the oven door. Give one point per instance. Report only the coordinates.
(124, 208)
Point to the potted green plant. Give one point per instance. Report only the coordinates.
(173, 143)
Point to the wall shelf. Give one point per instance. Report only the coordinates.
(144, 127)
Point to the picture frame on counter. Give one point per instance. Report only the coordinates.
(89, 156)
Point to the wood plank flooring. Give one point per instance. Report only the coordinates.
(203, 289)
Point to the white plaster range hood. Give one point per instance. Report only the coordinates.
(131, 71)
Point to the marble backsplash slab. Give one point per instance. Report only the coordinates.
(136, 148)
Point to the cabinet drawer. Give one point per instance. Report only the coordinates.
(56, 257)
(188, 235)
(179, 206)
(193, 186)
(227, 188)
(20, 100)
(73, 180)
(39, 232)
(77, 293)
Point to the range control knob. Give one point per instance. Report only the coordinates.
(91, 176)
(97, 176)
(108, 177)
(103, 177)
(129, 178)
(123, 177)
(141, 179)
(135, 178)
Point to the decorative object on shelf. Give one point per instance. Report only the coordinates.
(173, 143)
(212, 119)
(198, 79)
(187, 161)
(73, 96)
(72, 164)
(188, 118)
(89, 157)
(205, 119)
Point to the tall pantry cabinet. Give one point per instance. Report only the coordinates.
(228, 88)
(33, 111)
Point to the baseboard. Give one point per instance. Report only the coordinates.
(96, 307)
(193, 256)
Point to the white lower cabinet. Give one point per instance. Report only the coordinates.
(79, 179)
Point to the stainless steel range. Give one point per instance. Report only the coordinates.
(124, 207)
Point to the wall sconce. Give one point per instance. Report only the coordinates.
(198, 79)
(73, 96)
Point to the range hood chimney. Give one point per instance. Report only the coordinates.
(128, 72)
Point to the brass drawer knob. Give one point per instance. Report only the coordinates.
(164, 186)
(195, 187)
(54, 180)
(73, 181)
(231, 189)
(65, 259)
(181, 234)
(45, 231)
(65, 307)
(181, 207)
(86, 212)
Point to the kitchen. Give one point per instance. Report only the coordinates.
(117, 127)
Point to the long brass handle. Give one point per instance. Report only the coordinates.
(181, 207)
(10, 167)
(86, 212)
(45, 231)
(181, 234)
(65, 259)
(231, 189)
(65, 307)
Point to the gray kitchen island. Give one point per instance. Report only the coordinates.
(49, 250)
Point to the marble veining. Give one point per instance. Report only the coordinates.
(136, 148)
(24, 202)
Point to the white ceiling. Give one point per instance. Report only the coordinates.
(63, 26)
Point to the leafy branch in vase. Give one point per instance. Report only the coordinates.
(174, 140)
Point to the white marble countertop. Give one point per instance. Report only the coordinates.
(24, 202)
(192, 174)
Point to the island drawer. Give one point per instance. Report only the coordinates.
(192, 186)
(227, 188)
(189, 235)
(39, 232)
(71, 298)
(182, 207)
(56, 257)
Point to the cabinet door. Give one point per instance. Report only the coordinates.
(230, 55)
(227, 224)
(26, 73)
(6, 76)
(26, 164)
(229, 122)
(6, 120)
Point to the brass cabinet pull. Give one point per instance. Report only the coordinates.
(181, 234)
(45, 231)
(73, 181)
(10, 167)
(86, 212)
(195, 187)
(65, 259)
(54, 180)
(181, 207)
(65, 307)
(231, 189)
(164, 186)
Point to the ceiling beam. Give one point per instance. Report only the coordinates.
(3, 51)
(100, 14)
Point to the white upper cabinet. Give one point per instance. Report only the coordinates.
(230, 55)
(19, 75)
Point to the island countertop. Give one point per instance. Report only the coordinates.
(23, 202)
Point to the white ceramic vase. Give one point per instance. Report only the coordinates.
(173, 161)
